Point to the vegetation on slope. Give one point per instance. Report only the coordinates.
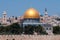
(56, 30)
(16, 29)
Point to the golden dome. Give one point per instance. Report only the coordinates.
(31, 13)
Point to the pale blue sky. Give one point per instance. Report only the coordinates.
(18, 7)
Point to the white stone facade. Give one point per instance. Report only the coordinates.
(45, 19)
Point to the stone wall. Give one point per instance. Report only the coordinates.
(29, 37)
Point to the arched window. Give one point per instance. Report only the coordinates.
(6, 39)
(13, 39)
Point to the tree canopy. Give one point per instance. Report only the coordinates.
(56, 30)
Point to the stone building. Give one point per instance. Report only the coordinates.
(31, 17)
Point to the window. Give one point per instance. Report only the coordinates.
(49, 28)
(15, 18)
(4, 16)
(13, 39)
(41, 19)
(6, 39)
(46, 28)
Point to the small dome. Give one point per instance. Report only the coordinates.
(31, 13)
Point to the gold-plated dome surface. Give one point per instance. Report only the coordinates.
(31, 13)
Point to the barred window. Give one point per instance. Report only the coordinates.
(13, 39)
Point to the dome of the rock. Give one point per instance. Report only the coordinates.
(31, 13)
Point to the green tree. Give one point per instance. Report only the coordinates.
(15, 28)
(40, 30)
(29, 29)
(56, 30)
(1, 29)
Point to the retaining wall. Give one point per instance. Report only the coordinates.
(29, 37)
